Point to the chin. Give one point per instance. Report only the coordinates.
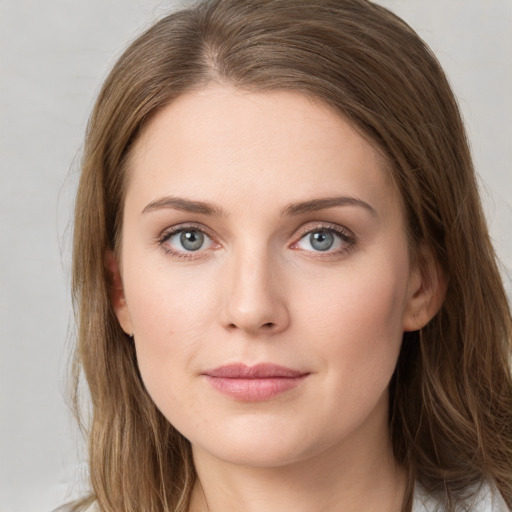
(265, 447)
(260, 455)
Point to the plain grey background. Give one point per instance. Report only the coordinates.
(53, 57)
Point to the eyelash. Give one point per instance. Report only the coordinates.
(168, 233)
(346, 236)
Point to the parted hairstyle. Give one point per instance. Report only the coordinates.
(451, 394)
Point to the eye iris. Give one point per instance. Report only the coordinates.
(192, 240)
(321, 240)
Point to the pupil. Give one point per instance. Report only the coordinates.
(321, 240)
(192, 240)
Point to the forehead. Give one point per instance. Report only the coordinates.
(238, 145)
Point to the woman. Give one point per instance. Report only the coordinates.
(275, 225)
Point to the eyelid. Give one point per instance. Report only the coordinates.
(345, 234)
(326, 226)
(168, 232)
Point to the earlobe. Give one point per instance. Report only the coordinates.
(116, 292)
(427, 290)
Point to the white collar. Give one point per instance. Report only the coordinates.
(486, 499)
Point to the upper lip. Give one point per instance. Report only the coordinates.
(258, 371)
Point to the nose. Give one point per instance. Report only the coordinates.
(254, 299)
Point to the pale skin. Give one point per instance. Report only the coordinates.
(262, 228)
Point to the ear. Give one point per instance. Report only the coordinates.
(116, 292)
(426, 290)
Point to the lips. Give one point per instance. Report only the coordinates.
(254, 383)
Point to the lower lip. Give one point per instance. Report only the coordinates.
(255, 389)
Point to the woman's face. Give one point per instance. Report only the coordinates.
(266, 276)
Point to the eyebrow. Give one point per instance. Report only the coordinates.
(301, 208)
(185, 205)
(321, 204)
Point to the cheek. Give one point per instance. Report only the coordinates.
(163, 301)
(171, 313)
(169, 327)
(357, 318)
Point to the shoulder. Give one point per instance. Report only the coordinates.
(486, 499)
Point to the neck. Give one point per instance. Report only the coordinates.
(357, 474)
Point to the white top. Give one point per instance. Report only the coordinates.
(488, 499)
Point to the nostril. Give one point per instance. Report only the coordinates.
(265, 326)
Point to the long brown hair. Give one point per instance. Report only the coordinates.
(451, 394)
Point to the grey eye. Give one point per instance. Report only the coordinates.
(321, 240)
(192, 240)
